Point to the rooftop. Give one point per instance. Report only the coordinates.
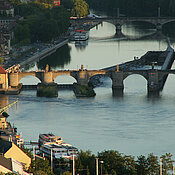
(2, 70)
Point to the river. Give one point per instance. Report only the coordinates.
(133, 124)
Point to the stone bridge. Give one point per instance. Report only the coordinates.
(119, 21)
(155, 78)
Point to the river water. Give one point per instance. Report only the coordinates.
(133, 124)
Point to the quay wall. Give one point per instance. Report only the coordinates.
(46, 52)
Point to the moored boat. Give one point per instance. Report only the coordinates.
(43, 138)
(80, 35)
(58, 151)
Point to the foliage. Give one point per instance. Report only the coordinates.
(85, 163)
(67, 173)
(134, 8)
(68, 4)
(47, 90)
(153, 165)
(167, 163)
(116, 163)
(83, 90)
(40, 24)
(142, 165)
(80, 8)
(41, 167)
(1, 60)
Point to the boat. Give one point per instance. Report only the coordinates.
(43, 138)
(58, 151)
(80, 35)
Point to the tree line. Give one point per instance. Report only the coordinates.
(110, 162)
(134, 7)
(43, 22)
(40, 24)
(116, 163)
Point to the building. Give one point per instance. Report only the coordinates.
(3, 78)
(3, 122)
(12, 151)
(6, 9)
(11, 165)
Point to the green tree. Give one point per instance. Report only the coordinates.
(113, 172)
(142, 165)
(80, 8)
(167, 163)
(68, 4)
(85, 162)
(153, 164)
(67, 173)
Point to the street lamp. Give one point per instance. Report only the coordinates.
(101, 165)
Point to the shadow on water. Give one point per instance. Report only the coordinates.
(168, 30)
(154, 96)
(117, 93)
(57, 60)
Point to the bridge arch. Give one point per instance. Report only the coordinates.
(130, 82)
(101, 80)
(37, 75)
(29, 80)
(168, 21)
(64, 79)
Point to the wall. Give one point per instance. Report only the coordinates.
(16, 153)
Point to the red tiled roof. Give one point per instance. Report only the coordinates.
(2, 70)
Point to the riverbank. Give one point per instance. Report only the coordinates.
(38, 52)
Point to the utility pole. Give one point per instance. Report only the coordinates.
(33, 152)
(96, 166)
(160, 166)
(51, 160)
(73, 166)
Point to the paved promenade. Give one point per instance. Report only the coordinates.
(37, 55)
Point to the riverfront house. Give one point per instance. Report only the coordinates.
(3, 78)
(10, 150)
(11, 165)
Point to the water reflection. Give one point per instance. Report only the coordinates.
(168, 30)
(4, 101)
(81, 45)
(57, 60)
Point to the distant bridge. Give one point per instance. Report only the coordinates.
(119, 21)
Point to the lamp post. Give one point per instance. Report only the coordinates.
(101, 165)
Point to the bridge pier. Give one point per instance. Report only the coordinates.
(153, 82)
(48, 77)
(158, 27)
(118, 29)
(117, 83)
(13, 80)
(83, 78)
